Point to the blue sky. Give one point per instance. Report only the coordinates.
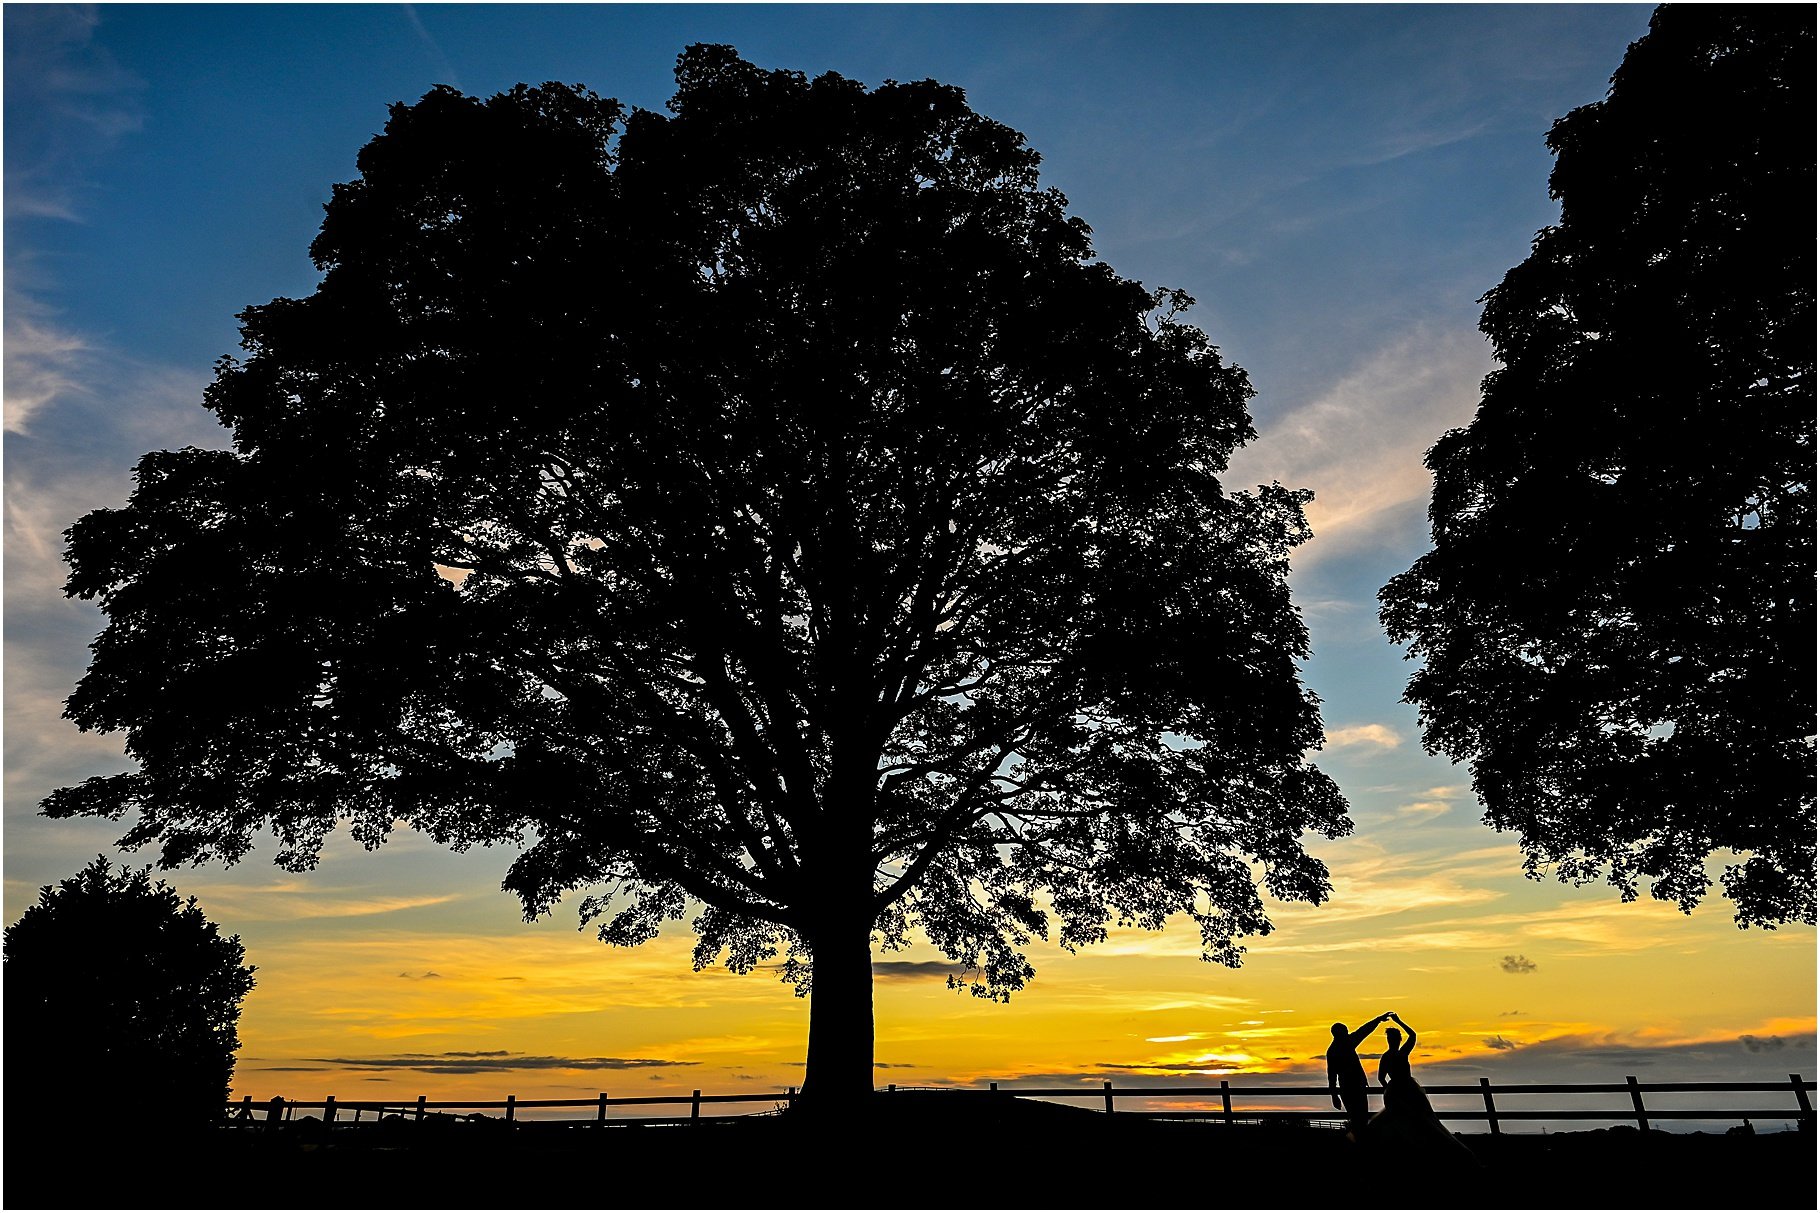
(1336, 185)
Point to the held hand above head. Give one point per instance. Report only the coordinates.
(1358, 1037)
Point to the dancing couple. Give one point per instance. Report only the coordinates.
(1407, 1118)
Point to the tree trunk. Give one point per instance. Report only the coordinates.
(838, 1074)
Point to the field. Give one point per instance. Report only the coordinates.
(978, 1154)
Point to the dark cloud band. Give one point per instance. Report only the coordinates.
(491, 1061)
(911, 970)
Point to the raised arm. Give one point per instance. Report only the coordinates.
(1358, 1037)
(1409, 1034)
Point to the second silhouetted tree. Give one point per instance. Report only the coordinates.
(1617, 619)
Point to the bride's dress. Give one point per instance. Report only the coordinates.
(1408, 1121)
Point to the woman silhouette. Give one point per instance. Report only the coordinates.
(1408, 1121)
(1402, 1093)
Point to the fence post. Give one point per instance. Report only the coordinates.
(277, 1110)
(420, 1100)
(1108, 1090)
(891, 1088)
(511, 1107)
(600, 1117)
(790, 1096)
(1807, 1109)
(1491, 1109)
(1636, 1101)
(695, 1108)
(328, 1110)
(994, 1086)
(246, 1107)
(1226, 1100)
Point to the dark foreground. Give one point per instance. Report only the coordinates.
(948, 1151)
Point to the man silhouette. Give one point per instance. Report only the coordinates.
(1346, 1076)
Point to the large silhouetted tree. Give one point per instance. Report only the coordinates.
(770, 508)
(119, 992)
(1617, 619)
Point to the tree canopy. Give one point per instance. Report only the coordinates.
(770, 508)
(1617, 619)
(117, 988)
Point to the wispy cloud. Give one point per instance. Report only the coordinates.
(1517, 964)
(1359, 445)
(1378, 736)
(69, 449)
(68, 100)
(440, 59)
(1375, 880)
(41, 362)
(76, 413)
(297, 898)
(1430, 803)
(1215, 1066)
(1365, 885)
(1395, 145)
(361, 906)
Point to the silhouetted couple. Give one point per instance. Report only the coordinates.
(1407, 1119)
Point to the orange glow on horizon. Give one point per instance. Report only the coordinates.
(348, 1010)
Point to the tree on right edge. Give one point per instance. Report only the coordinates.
(1617, 618)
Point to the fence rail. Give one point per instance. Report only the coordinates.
(350, 1112)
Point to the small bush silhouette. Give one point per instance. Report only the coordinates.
(116, 990)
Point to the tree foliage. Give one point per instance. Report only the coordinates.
(1617, 618)
(770, 508)
(117, 989)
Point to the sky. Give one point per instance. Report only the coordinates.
(1336, 185)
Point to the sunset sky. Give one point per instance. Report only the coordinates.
(1336, 186)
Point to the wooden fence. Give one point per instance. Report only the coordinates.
(596, 1112)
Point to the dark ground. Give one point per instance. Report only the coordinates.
(948, 1150)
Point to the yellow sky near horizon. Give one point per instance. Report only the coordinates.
(363, 993)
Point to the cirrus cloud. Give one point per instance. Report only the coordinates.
(1359, 445)
(1379, 736)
